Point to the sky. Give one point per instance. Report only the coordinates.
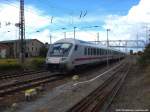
(125, 18)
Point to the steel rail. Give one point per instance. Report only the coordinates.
(22, 85)
(85, 103)
(18, 74)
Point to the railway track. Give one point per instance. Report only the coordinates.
(8, 75)
(99, 99)
(20, 85)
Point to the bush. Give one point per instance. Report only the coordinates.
(37, 63)
(9, 64)
(144, 60)
(13, 64)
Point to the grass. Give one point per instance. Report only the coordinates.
(9, 64)
(12, 64)
(35, 63)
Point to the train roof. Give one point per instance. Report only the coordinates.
(81, 42)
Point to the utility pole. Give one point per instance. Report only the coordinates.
(119, 50)
(74, 32)
(22, 31)
(137, 37)
(126, 50)
(98, 37)
(64, 32)
(107, 30)
(50, 38)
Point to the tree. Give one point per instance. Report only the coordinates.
(145, 58)
(43, 51)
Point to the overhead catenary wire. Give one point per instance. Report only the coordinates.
(54, 24)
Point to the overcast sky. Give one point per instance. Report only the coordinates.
(124, 18)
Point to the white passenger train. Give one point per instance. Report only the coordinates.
(66, 54)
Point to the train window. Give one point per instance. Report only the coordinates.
(104, 52)
(108, 52)
(85, 51)
(97, 51)
(76, 47)
(89, 51)
(100, 51)
(94, 51)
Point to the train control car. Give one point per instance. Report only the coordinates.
(67, 54)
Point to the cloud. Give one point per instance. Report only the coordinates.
(127, 27)
(121, 27)
(9, 16)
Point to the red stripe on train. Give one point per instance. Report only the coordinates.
(88, 58)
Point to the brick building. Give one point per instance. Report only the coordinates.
(4, 51)
(32, 47)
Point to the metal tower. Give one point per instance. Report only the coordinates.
(22, 31)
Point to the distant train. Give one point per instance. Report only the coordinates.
(67, 54)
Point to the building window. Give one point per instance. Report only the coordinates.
(32, 48)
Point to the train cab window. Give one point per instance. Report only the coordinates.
(76, 47)
(60, 49)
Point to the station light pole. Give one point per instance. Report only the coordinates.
(107, 30)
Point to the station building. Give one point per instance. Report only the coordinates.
(32, 48)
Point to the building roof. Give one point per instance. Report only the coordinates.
(12, 41)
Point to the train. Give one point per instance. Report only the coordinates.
(67, 54)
